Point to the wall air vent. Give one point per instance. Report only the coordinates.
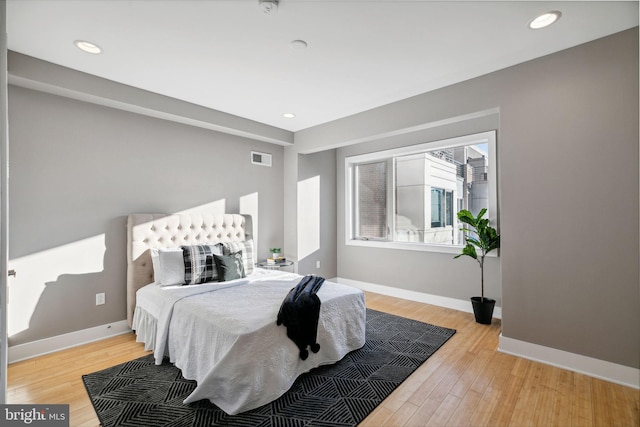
(262, 159)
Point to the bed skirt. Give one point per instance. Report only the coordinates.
(145, 326)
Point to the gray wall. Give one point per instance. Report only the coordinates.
(569, 183)
(568, 195)
(77, 171)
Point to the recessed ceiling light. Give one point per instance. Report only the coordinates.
(298, 44)
(88, 47)
(288, 115)
(545, 20)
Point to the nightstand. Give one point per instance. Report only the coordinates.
(277, 266)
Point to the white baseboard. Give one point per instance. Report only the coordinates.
(453, 303)
(608, 371)
(596, 368)
(60, 342)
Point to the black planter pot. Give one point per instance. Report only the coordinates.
(483, 310)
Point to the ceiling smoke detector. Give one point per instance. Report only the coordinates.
(268, 6)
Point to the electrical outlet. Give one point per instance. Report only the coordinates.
(317, 264)
(100, 298)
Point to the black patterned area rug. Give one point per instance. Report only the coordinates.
(139, 393)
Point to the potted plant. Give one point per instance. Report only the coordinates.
(275, 252)
(482, 236)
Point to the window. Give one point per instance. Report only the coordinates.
(409, 197)
(372, 200)
(441, 208)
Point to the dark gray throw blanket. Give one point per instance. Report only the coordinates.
(299, 312)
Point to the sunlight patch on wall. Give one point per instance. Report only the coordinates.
(216, 208)
(249, 206)
(36, 270)
(308, 216)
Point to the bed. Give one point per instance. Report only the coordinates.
(223, 334)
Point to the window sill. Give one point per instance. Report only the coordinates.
(408, 246)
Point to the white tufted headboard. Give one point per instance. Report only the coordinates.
(146, 231)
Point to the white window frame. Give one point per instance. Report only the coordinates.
(488, 138)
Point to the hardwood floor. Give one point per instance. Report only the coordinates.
(465, 383)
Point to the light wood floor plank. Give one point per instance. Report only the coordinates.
(582, 412)
(465, 383)
(470, 404)
(377, 418)
(491, 400)
(400, 417)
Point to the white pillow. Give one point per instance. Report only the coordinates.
(168, 269)
(155, 261)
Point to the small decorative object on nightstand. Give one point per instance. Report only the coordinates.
(275, 252)
(275, 263)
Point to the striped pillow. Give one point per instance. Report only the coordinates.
(199, 266)
(248, 257)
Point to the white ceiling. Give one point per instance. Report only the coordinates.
(230, 56)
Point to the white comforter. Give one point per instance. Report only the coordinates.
(226, 337)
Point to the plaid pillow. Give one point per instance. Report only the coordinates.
(246, 247)
(199, 266)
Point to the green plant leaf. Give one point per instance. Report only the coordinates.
(479, 234)
(466, 217)
(468, 250)
(473, 241)
(494, 243)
